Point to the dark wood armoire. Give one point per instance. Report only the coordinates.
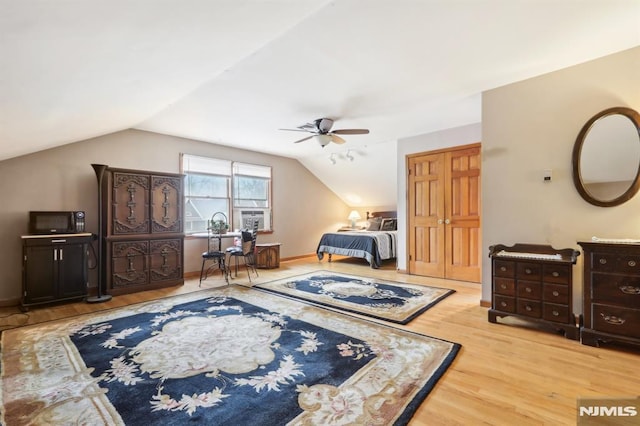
(143, 230)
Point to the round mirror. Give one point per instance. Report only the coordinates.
(606, 157)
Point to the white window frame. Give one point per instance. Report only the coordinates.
(237, 212)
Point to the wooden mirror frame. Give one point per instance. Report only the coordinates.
(577, 150)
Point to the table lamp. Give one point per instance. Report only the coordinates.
(353, 216)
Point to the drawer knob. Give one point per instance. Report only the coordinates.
(603, 261)
(555, 313)
(555, 274)
(503, 304)
(555, 293)
(527, 271)
(528, 308)
(613, 320)
(629, 289)
(528, 289)
(631, 263)
(503, 268)
(503, 286)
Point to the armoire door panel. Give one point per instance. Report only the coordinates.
(165, 204)
(130, 205)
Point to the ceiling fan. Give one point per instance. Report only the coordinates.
(321, 129)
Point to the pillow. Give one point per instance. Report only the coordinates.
(388, 224)
(373, 223)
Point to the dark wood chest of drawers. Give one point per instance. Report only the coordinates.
(534, 282)
(611, 302)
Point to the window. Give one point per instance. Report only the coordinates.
(239, 190)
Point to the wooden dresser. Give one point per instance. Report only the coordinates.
(534, 282)
(611, 303)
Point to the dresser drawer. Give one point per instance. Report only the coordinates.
(605, 262)
(555, 312)
(530, 308)
(628, 264)
(504, 268)
(506, 286)
(556, 273)
(619, 263)
(555, 293)
(504, 303)
(616, 320)
(529, 271)
(618, 289)
(529, 290)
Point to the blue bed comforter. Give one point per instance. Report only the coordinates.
(374, 246)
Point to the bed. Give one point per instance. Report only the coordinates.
(375, 243)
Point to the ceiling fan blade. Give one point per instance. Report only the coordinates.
(294, 130)
(304, 139)
(336, 139)
(351, 131)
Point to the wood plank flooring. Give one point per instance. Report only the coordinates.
(505, 374)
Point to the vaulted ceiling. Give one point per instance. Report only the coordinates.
(234, 72)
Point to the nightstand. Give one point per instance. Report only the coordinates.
(268, 255)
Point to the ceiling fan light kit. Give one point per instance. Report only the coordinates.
(321, 130)
(324, 140)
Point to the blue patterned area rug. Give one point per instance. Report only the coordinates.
(386, 300)
(233, 356)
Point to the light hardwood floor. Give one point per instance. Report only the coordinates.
(505, 374)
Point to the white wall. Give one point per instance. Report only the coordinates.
(370, 179)
(428, 142)
(531, 126)
(63, 179)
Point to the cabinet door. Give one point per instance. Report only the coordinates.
(166, 204)
(166, 259)
(72, 270)
(129, 263)
(130, 203)
(40, 269)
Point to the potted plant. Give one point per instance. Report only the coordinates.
(219, 226)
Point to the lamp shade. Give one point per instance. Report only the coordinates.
(353, 216)
(324, 140)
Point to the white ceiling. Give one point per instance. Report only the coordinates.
(233, 72)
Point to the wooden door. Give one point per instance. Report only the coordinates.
(444, 214)
(462, 215)
(426, 215)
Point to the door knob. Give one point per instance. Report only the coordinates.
(447, 221)
(440, 221)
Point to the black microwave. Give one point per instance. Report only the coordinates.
(56, 222)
